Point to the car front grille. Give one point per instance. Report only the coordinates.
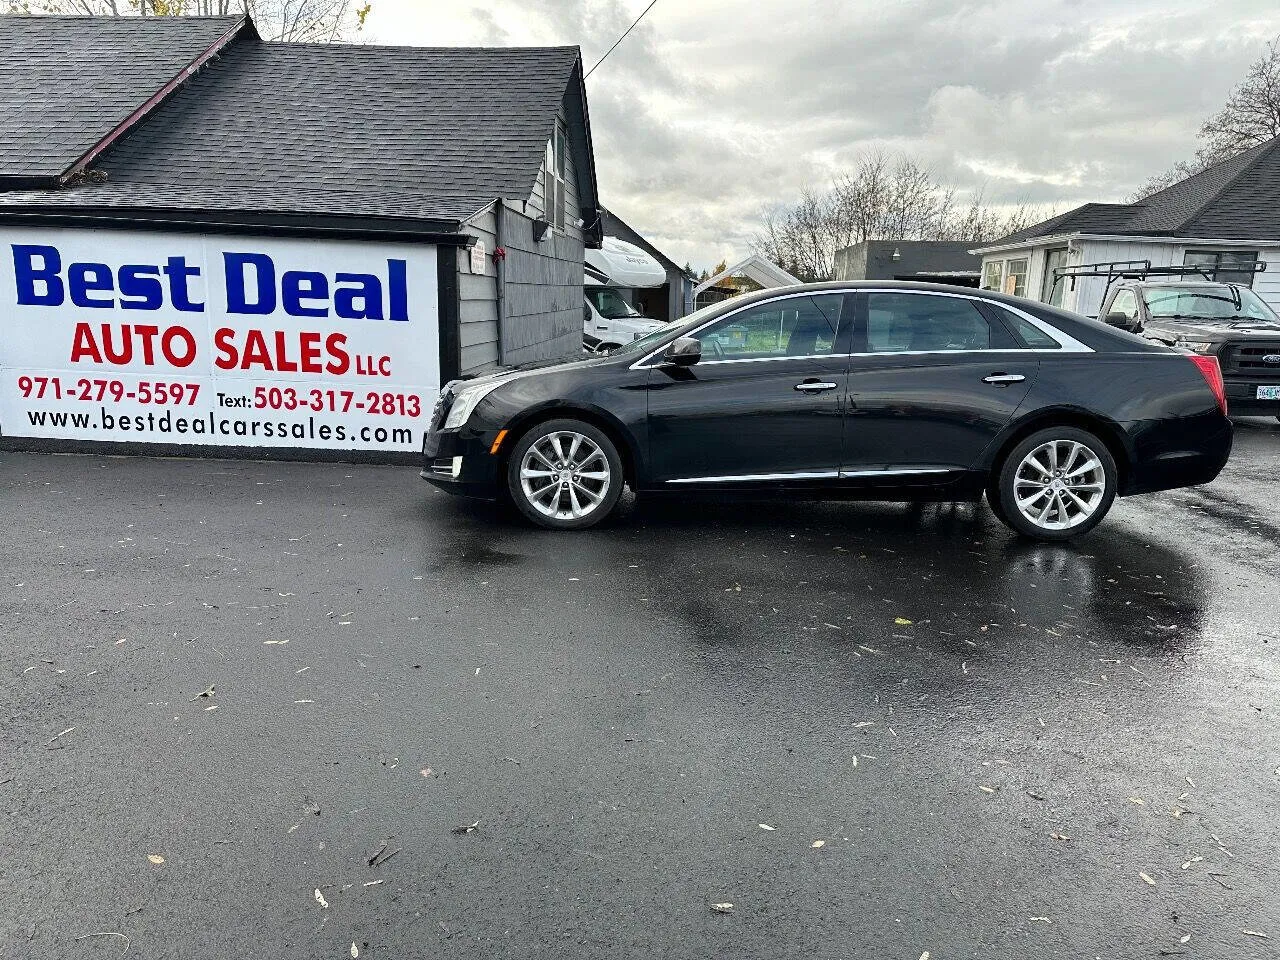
(1244, 357)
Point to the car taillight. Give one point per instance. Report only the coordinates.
(1212, 374)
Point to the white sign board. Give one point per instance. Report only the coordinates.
(479, 258)
(217, 341)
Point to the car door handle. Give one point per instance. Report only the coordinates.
(1002, 379)
(815, 386)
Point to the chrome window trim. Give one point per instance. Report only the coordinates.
(1067, 343)
(818, 475)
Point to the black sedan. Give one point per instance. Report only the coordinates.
(884, 391)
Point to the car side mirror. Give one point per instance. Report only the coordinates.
(683, 352)
(1123, 321)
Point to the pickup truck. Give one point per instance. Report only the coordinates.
(1225, 320)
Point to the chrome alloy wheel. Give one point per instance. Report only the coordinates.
(1059, 485)
(565, 475)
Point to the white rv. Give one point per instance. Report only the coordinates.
(611, 274)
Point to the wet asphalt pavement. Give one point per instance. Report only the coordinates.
(621, 713)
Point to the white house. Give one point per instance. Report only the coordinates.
(1222, 217)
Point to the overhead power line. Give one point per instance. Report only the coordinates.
(620, 39)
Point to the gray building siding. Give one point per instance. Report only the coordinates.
(541, 292)
(529, 305)
(478, 298)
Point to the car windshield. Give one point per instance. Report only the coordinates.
(671, 330)
(1206, 302)
(610, 305)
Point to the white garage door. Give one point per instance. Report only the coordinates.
(212, 340)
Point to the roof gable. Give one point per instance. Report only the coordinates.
(1237, 199)
(428, 133)
(66, 83)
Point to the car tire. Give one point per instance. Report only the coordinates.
(575, 458)
(1057, 484)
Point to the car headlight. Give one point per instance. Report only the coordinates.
(1196, 346)
(465, 402)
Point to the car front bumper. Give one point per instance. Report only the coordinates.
(1242, 397)
(462, 462)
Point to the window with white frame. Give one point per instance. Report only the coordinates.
(992, 274)
(1006, 276)
(557, 165)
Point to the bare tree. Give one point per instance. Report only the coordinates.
(880, 198)
(1251, 116)
(299, 21)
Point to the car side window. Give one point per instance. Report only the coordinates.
(1126, 302)
(1033, 338)
(921, 323)
(791, 327)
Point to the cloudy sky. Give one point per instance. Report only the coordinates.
(711, 112)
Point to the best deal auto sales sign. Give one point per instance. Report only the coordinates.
(225, 341)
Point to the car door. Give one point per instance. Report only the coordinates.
(765, 402)
(933, 379)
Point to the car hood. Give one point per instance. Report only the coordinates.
(1216, 330)
(530, 369)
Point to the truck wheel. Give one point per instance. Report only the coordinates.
(1056, 484)
(565, 475)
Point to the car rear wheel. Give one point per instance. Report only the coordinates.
(1055, 485)
(565, 475)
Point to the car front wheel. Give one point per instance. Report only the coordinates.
(565, 475)
(1055, 485)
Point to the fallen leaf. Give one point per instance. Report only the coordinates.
(321, 900)
(427, 771)
(155, 858)
(1147, 879)
(986, 789)
(1255, 933)
(1186, 939)
(765, 826)
(355, 952)
(467, 827)
(818, 843)
(1059, 836)
(902, 621)
(1141, 803)
(207, 692)
(722, 907)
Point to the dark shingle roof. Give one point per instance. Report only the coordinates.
(430, 133)
(1237, 199)
(67, 82)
